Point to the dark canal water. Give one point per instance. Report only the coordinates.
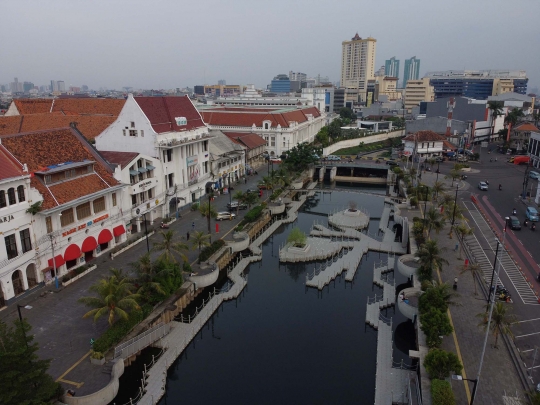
(281, 343)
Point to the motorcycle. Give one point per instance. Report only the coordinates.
(163, 225)
(533, 227)
(514, 212)
(500, 187)
(463, 177)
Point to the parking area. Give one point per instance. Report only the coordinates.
(527, 339)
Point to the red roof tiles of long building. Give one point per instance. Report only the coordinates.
(248, 118)
(425, 136)
(71, 106)
(163, 111)
(119, 158)
(9, 168)
(89, 125)
(526, 127)
(251, 141)
(45, 148)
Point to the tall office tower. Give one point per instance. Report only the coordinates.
(391, 67)
(222, 82)
(61, 86)
(412, 70)
(297, 76)
(54, 85)
(357, 67)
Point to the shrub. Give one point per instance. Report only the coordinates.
(440, 363)
(413, 201)
(435, 324)
(275, 195)
(441, 393)
(297, 237)
(432, 298)
(254, 213)
(195, 207)
(210, 250)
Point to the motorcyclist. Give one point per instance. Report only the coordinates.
(487, 182)
(500, 187)
(533, 226)
(514, 212)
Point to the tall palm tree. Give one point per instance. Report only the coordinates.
(463, 230)
(434, 220)
(146, 276)
(430, 255)
(513, 116)
(250, 199)
(200, 240)
(208, 211)
(501, 320)
(115, 297)
(475, 271)
(444, 292)
(453, 212)
(239, 196)
(169, 247)
(496, 108)
(445, 199)
(438, 187)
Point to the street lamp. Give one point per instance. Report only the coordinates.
(146, 232)
(455, 204)
(22, 324)
(495, 261)
(475, 381)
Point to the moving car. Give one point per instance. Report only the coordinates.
(275, 159)
(236, 205)
(225, 215)
(534, 175)
(391, 163)
(514, 223)
(333, 157)
(532, 214)
(483, 186)
(439, 159)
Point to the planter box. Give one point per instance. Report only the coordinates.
(113, 255)
(84, 273)
(97, 362)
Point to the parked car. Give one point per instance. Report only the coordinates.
(439, 159)
(275, 159)
(236, 205)
(514, 223)
(315, 156)
(333, 157)
(532, 214)
(391, 163)
(225, 215)
(534, 175)
(483, 186)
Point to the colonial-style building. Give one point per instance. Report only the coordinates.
(521, 134)
(425, 144)
(227, 159)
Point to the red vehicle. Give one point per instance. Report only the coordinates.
(521, 160)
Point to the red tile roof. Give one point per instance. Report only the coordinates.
(162, 111)
(250, 141)
(526, 127)
(45, 148)
(119, 158)
(9, 168)
(71, 106)
(425, 136)
(89, 125)
(247, 117)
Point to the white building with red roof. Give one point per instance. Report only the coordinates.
(171, 132)
(282, 129)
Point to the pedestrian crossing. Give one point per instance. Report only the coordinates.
(508, 265)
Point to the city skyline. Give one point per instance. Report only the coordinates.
(98, 51)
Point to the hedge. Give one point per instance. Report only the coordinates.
(120, 329)
(441, 393)
(254, 214)
(210, 250)
(75, 272)
(275, 195)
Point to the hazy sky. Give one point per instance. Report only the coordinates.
(176, 43)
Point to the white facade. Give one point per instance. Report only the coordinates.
(425, 149)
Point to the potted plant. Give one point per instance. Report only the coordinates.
(97, 358)
(297, 238)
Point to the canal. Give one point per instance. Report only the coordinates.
(281, 342)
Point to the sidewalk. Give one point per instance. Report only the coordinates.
(56, 317)
(499, 376)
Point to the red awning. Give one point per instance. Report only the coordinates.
(72, 252)
(89, 244)
(104, 236)
(119, 230)
(59, 260)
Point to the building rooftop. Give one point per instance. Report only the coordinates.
(122, 159)
(9, 168)
(526, 127)
(477, 74)
(425, 136)
(250, 141)
(70, 106)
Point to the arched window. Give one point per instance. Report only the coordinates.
(11, 196)
(3, 203)
(20, 193)
(266, 125)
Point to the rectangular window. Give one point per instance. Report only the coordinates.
(11, 246)
(26, 243)
(83, 211)
(167, 155)
(48, 224)
(134, 199)
(132, 124)
(171, 180)
(150, 194)
(124, 132)
(142, 133)
(132, 132)
(205, 146)
(11, 196)
(67, 217)
(3, 202)
(99, 204)
(114, 199)
(20, 193)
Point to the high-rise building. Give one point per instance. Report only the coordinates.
(418, 91)
(54, 85)
(412, 70)
(280, 84)
(61, 86)
(357, 67)
(27, 86)
(297, 76)
(391, 67)
(222, 82)
(16, 86)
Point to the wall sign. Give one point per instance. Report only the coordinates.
(7, 218)
(192, 160)
(82, 226)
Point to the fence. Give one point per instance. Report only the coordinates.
(141, 341)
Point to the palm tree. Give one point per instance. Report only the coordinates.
(438, 187)
(239, 196)
(434, 220)
(250, 199)
(513, 116)
(208, 211)
(430, 257)
(453, 212)
(146, 276)
(501, 320)
(454, 174)
(496, 108)
(463, 230)
(169, 247)
(445, 199)
(115, 298)
(444, 292)
(200, 240)
(475, 271)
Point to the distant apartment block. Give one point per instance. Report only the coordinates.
(412, 70)
(418, 91)
(297, 76)
(222, 90)
(357, 67)
(391, 67)
(478, 84)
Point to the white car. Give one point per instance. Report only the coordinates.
(333, 157)
(275, 159)
(483, 186)
(225, 215)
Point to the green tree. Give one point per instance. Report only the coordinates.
(168, 246)
(438, 187)
(345, 112)
(322, 137)
(435, 324)
(268, 182)
(299, 157)
(208, 211)
(334, 129)
(454, 175)
(115, 297)
(297, 237)
(513, 117)
(23, 375)
(496, 108)
(501, 320)
(534, 397)
(430, 255)
(239, 196)
(147, 274)
(463, 230)
(434, 220)
(200, 240)
(474, 270)
(440, 363)
(251, 199)
(437, 295)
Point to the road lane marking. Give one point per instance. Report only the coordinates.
(73, 366)
(78, 385)
(528, 334)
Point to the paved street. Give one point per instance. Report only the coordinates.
(56, 318)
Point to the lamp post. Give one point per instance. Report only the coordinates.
(475, 381)
(455, 203)
(22, 324)
(495, 261)
(146, 233)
